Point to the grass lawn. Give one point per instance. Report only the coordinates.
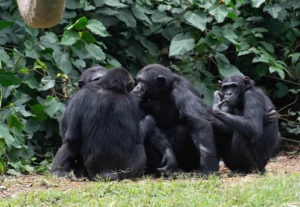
(271, 189)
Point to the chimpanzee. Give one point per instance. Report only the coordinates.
(155, 142)
(65, 161)
(245, 140)
(91, 74)
(179, 114)
(103, 124)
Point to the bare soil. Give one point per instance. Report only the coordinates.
(12, 186)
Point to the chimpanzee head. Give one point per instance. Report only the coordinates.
(116, 79)
(153, 81)
(91, 74)
(233, 88)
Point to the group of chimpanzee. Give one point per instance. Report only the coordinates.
(117, 128)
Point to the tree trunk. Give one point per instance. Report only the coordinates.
(41, 13)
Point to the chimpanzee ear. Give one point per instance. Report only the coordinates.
(161, 80)
(80, 83)
(248, 81)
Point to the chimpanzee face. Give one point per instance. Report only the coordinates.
(233, 88)
(231, 94)
(149, 85)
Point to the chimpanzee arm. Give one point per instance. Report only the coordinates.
(74, 113)
(192, 110)
(250, 122)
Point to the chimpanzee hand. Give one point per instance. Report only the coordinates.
(217, 102)
(220, 104)
(169, 162)
(270, 116)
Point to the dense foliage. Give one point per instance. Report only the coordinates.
(204, 40)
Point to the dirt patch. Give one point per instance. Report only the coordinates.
(13, 186)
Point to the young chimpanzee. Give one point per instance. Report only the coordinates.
(103, 124)
(245, 141)
(180, 115)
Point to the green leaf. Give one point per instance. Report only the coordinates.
(62, 61)
(4, 57)
(231, 36)
(15, 122)
(5, 134)
(4, 24)
(51, 105)
(295, 57)
(269, 47)
(8, 79)
(38, 111)
(273, 10)
(161, 17)
(219, 12)
(97, 28)
(181, 44)
(46, 83)
(139, 13)
(116, 4)
(279, 70)
(80, 24)
(229, 70)
(197, 19)
(70, 37)
(95, 51)
(126, 17)
(88, 37)
(257, 3)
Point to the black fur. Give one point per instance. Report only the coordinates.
(245, 140)
(180, 115)
(103, 125)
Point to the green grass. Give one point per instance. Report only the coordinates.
(266, 190)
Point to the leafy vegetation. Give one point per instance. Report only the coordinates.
(202, 40)
(269, 190)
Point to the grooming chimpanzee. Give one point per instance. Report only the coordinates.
(180, 115)
(91, 74)
(103, 124)
(68, 158)
(245, 140)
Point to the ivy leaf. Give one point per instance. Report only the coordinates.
(38, 111)
(46, 83)
(161, 17)
(15, 122)
(4, 24)
(97, 28)
(95, 51)
(51, 105)
(181, 44)
(8, 79)
(197, 19)
(116, 4)
(257, 3)
(4, 57)
(5, 134)
(126, 17)
(69, 37)
(139, 13)
(62, 61)
(219, 12)
(80, 24)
